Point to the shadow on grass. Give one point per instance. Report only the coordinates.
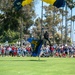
(37, 60)
(26, 60)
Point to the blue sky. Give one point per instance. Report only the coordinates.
(38, 11)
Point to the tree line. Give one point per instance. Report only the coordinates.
(14, 25)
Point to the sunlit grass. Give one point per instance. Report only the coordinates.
(34, 66)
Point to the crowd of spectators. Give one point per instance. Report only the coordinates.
(46, 51)
(59, 51)
(15, 50)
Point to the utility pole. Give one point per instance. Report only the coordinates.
(66, 25)
(53, 24)
(62, 26)
(71, 22)
(21, 31)
(41, 20)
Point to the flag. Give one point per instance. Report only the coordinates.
(30, 39)
(57, 3)
(36, 45)
(18, 4)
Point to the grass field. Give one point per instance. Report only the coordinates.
(33, 66)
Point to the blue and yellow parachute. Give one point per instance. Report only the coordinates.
(56, 3)
(18, 4)
(26, 2)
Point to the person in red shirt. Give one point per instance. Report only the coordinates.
(2, 51)
(52, 50)
(13, 48)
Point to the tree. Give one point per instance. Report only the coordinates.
(10, 19)
(70, 5)
(52, 19)
(58, 38)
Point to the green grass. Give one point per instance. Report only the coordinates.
(33, 66)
